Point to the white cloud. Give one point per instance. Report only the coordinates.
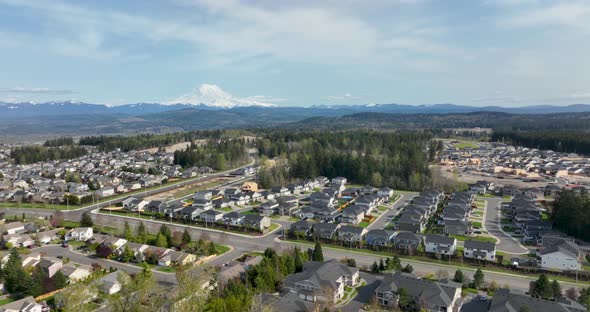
(36, 90)
(213, 95)
(571, 14)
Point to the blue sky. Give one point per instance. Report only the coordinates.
(502, 52)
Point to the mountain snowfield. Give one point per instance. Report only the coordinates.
(213, 95)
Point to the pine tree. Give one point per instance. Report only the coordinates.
(298, 259)
(186, 237)
(381, 265)
(459, 278)
(165, 230)
(60, 280)
(15, 278)
(556, 289)
(478, 279)
(375, 267)
(141, 233)
(161, 240)
(318, 254)
(86, 220)
(127, 232)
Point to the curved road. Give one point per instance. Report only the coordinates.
(493, 225)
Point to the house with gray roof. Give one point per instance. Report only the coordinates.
(561, 255)
(479, 250)
(431, 296)
(407, 240)
(325, 230)
(505, 300)
(322, 281)
(351, 234)
(440, 244)
(378, 237)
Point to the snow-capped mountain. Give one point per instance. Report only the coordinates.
(213, 95)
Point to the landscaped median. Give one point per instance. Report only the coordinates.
(442, 263)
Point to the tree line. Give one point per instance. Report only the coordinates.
(143, 141)
(556, 140)
(36, 153)
(220, 155)
(571, 213)
(396, 160)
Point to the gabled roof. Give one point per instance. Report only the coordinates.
(565, 246)
(439, 239)
(434, 293)
(321, 274)
(472, 244)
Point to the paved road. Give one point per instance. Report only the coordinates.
(383, 219)
(493, 225)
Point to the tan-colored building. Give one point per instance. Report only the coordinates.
(249, 187)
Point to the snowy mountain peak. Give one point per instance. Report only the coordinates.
(213, 95)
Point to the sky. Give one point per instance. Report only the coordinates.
(296, 53)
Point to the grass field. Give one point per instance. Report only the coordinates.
(464, 145)
(364, 224)
(6, 301)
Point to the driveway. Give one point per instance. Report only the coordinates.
(365, 293)
(493, 225)
(393, 210)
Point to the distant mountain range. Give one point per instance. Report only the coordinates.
(74, 118)
(27, 109)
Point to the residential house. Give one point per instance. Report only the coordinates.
(504, 300)
(203, 195)
(256, 222)
(322, 281)
(352, 214)
(378, 237)
(109, 284)
(407, 240)
(440, 244)
(302, 228)
(105, 192)
(269, 208)
(211, 216)
(385, 192)
(18, 240)
(325, 230)
(50, 265)
(13, 228)
(561, 255)
(80, 234)
(47, 237)
(443, 295)
(27, 304)
(457, 227)
(286, 302)
(75, 273)
(190, 213)
(351, 234)
(479, 250)
(233, 218)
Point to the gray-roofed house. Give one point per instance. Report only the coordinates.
(407, 240)
(561, 255)
(351, 234)
(440, 244)
(506, 301)
(257, 222)
(287, 302)
(322, 281)
(479, 250)
(378, 237)
(301, 228)
(325, 230)
(432, 296)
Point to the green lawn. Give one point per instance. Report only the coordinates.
(221, 249)
(477, 224)
(586, 267)
(71, 224)
(6, 301)
(463, 238)
(464, 145)
(225, 209)
(166, 269)
(364, 224)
